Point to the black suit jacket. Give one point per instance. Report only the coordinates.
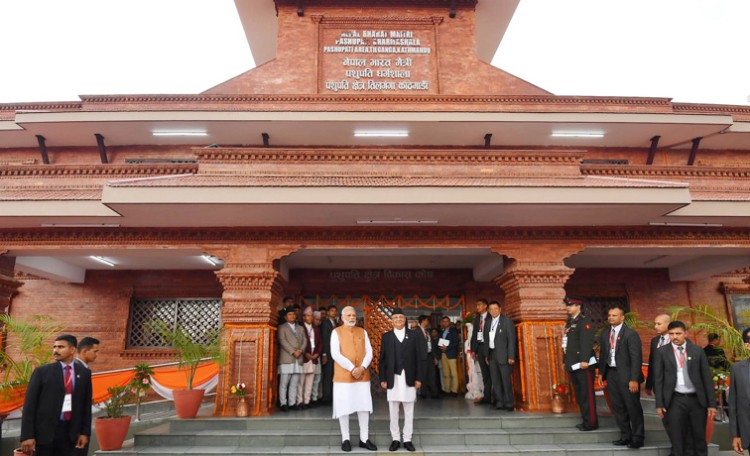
(665, 371)
(326, 329)
(44, 400)
(505, 340)
(739, 401)
(474, 344)
(628, 354)
(651, 361)
(414, 355)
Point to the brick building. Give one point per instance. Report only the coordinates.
(372, 156)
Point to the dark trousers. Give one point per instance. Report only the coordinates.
(501, 382)
(486, 378)
(626, 407)
(61, 445)
(326, 378)
(685, 418)
(430, 385)
(583, 386)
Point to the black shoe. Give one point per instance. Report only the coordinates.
(621, 442)
(346, 446)
(284, 408)
(302, 407)
(635, 444)
(585, 428)
(579, 426)
(482, 402)
(499, 407)
(294, 407)
(409, 446)
(368, 445)
(395, 445)
(510, 409)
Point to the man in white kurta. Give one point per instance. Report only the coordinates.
(402, 355)
(352, 353)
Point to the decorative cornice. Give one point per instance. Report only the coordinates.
(97, 171)
(51, 106)
(245, 281)
(378, 3)
(667, 171)
(349, 155)
(711, 108)
(387, 20)
(236, 101)
(326, 235)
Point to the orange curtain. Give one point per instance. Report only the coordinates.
(173, 378)
(168, 376)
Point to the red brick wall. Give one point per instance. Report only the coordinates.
(100, 307)
(649, 293)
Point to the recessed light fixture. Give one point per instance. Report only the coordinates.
(381, 134)
(714, 225)
(577, 134)
(179, 133)
(102, 260)
(397, 222)
(80, 225)
(210, 260)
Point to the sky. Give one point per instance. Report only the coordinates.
(687, 50)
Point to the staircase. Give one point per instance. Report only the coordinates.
(441, 428)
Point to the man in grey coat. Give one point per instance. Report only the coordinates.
(739, 400)
(292, 342)
(500, 354)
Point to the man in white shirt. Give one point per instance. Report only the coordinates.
(352, 353)
(402, 355)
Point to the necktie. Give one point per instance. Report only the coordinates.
(481, 323)
(68, 390)
(661, 342)
(427, 338)
(612, 342)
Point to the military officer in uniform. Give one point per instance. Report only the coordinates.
(578, 350)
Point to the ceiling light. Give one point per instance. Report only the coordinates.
(381, 134)
(179, 133)
(686, 224)
(397, 222)
(80, 225)
(102, 260)
(209, 259)
(577, 134)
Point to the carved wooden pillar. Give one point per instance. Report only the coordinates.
(8, 288)
(533, 281)
(252, 290)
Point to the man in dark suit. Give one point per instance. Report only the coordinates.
(477, 344)
(429, 384)
(661, 328)
(57, 409)
(684, 390)
(499, 351)
(402, 356)
(326, 328)
(620, 365)
(578, 349)
(739, 400)
(449, 350)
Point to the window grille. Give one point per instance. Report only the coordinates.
(199, 317)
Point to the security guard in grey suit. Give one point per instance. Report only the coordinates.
(578, 349)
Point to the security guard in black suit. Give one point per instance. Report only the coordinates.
(578, 349)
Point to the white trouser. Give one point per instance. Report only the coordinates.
(393, 407)
(288, 382)
(316, 384)
(305, 388)
(364, 426)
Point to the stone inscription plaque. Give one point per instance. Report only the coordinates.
(377, 56)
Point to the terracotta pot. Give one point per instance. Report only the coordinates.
(558, 404)
(187, 402)
(111, 432)
(18, 452)
(242, 408)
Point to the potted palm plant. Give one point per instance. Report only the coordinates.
(112, 428)
(190, 351)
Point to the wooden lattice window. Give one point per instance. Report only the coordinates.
(596, 308)
(199, 317)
